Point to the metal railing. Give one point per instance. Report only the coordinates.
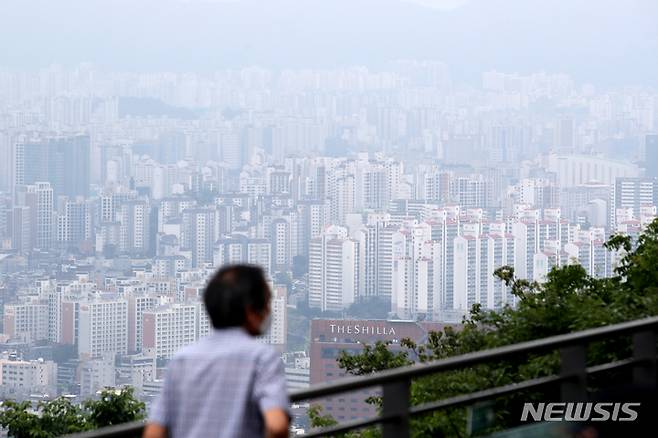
(396, 383)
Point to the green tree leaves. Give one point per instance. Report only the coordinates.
(60, 417)
(114, 407)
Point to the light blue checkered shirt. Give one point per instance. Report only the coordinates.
(220, 386)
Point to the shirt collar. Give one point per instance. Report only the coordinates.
(231, 332)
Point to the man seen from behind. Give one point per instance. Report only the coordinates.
(228, 384)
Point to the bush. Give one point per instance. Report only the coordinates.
(60, 417)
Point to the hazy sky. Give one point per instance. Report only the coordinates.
(603, 41)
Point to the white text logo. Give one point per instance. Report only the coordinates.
(579, 411)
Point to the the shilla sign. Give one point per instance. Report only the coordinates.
(362, 329)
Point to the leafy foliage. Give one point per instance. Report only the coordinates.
(569, 300)
(60, 417)
(114, 407)
(319, 420)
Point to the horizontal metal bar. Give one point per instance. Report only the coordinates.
(470, 359)
(612, 365)
(470, 398)
(347, 426)
(485, 394)
(511, 388)
(119, 431)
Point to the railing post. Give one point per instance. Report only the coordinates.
(396, 403)
(644, 349)
(573, 367)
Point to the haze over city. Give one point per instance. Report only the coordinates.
(604, 42)
(379, 159)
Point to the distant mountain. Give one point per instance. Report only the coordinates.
(607, 41)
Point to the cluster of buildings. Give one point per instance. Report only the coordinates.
(121, 193)
(118, 330)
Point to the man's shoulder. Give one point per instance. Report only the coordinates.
(255, 347)
(222, 343)
(265, 350)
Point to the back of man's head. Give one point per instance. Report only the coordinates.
(232, 291)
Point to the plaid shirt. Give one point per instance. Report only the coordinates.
(220, 387)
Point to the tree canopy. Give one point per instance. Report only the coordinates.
(60, 417)
(569, 300)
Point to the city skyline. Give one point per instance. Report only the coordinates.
(380, 161)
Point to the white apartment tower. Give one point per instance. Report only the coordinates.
(277, 333)
(103, 327)
(26, 322)
(333, 270)
(168, 328)
(445, 226)
(498, 250)
(137, 305)
(44, 214)
(526, 235)
(198, 234)
(314, 217)
(280, 236)
(133, 217)
(476, 257)
(240, 249)
(417, 282)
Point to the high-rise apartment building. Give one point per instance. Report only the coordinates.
(103, 326)
(471, 192)
(168, 265)
(466, 269)
(237, 248)
(198, 234)
(417, 282)
(500, 251)
(281, 238)
(526, 235)
(230, 149)
(380, 268)
(476, 256)
(538, 192)
(633, 194)
(376, 187)
(39, 198)
(61, 161)
(134, 218)
(20, 229)
(651, 155)
(587, 248)
(26, 322)
(343, 197)
(314, 218)
(445, 226)
(334, 268)
(74, 223)
(138, 304)
(278, 332)
(168, 328)
(7, 150)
